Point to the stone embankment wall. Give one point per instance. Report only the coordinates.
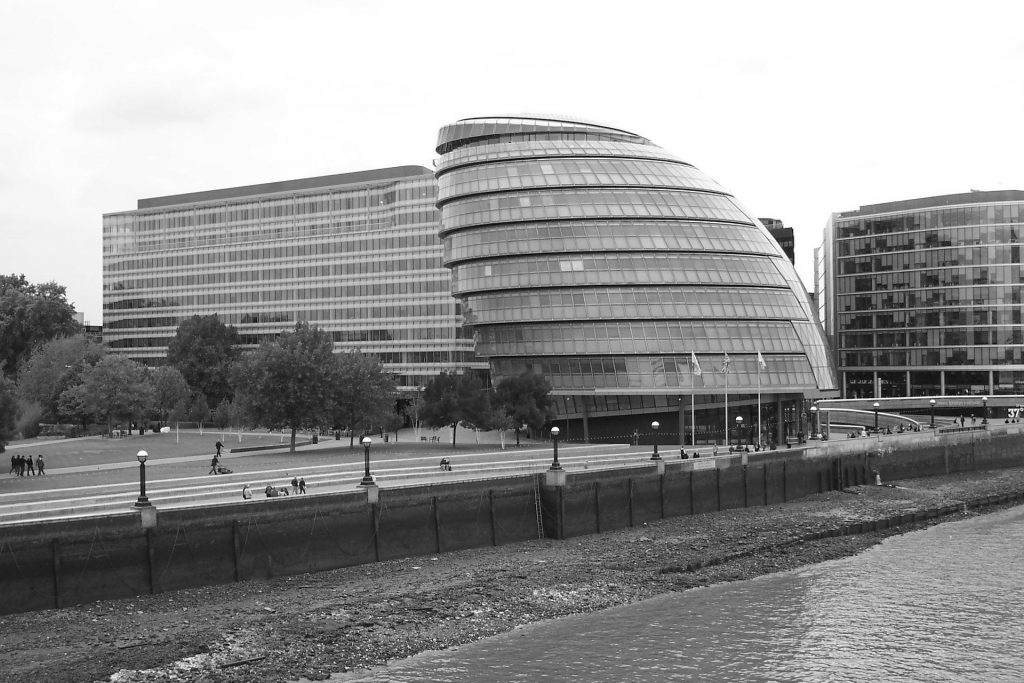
(55, 564)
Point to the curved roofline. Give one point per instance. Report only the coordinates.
(550, 117)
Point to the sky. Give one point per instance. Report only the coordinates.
(800, 109)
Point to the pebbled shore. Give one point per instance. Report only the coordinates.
(313, 625)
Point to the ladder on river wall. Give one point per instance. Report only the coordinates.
(537, 506)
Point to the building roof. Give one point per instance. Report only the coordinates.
(972, 197)
(356, 178)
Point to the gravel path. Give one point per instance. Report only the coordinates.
(314, 625)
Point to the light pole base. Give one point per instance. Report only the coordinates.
(147, 514)
(372, 492)
(367, 481)
(554, 477)
(660, 464)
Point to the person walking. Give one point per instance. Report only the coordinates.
(14, 464)
(21, 465)
(246, 492)
(218, 446)
(40, 464)
(295, 484)
(30, 465)
(214, 463)
(302, 485)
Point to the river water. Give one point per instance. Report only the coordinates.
(943, 604)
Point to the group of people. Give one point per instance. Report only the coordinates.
(271, 491)
(20, 465)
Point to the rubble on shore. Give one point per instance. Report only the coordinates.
(313, 625)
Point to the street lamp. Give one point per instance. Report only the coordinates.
(875, 405)
(554, 440)
(814, 419)
(143, 501)
(932, 404)
(654, 426)
(984, 402)
(367, 479)
(739, 426)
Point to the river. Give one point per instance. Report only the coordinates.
(942, 604)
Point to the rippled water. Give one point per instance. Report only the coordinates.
(945, 604)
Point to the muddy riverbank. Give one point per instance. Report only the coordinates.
(316, 624)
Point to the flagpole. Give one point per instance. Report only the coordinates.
(759, 401)
(693, 421)
(725, 367)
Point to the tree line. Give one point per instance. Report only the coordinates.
(51, 373)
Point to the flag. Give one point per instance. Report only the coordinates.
(695, 366)
(760, 361)
(725, 363)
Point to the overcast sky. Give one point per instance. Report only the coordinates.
(799, 109)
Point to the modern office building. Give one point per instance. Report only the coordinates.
(357, 255)
(589, 255)
(927, 295)
(782, 235)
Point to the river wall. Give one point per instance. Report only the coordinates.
(59, 563)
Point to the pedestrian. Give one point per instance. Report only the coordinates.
(302, 485)
(295, 484)
(219, 446)
(270, 491)
(21, 465)
(14, 464)
(40, 464)
(714, 450)
(30, 465)
(246, 492)
(213, 464)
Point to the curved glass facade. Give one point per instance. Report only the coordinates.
(597, 259)
(929, 296)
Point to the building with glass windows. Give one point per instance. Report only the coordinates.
(357, 255)
(591, 256)
(927, 296)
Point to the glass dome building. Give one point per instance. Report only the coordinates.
(633, 282)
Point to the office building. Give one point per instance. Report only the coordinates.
(589, 255)
(356, 254)
(782, 235)
(927, 295)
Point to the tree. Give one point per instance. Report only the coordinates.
(8, 412)
(171, 393)
(204, 349)
(451, 400)
(30, 314)
(526, 399)
(53, 367)
(364, 395)
(288, 382)
(116, 388)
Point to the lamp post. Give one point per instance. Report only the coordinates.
(739, 427)
(654, 426)
(875, 406)
(554, 441)
(367, 479)
(984, 402)
(932, 404)
(143, 501)
(814, 419)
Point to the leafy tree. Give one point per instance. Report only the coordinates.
(227, 414)
(364, 395)
(198, 409)
(30, 314)
(204, 349)
(72, 407)
(288, 382)
(116, 388)
(55, 366)
(526, 399)
(451, 400)
(8, 412)
(171, 393)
